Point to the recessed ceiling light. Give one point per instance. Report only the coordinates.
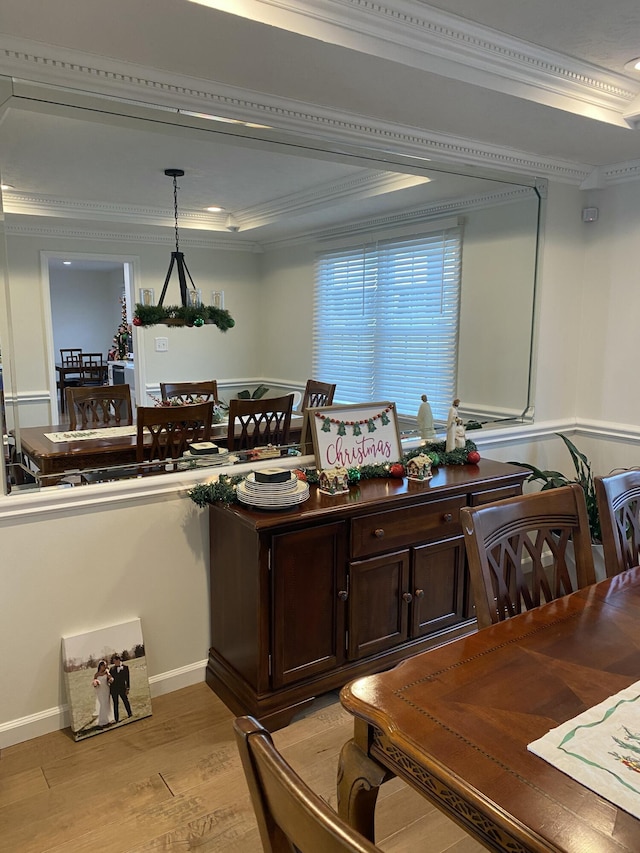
(215, 209)
(633, 64)
(6, 186)
(67, 263)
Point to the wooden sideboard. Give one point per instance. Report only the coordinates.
(304, 600)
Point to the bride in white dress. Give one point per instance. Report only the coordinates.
(104, 704)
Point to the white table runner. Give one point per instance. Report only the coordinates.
(84, 434)
(600, 748)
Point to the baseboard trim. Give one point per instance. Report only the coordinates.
(55, 719)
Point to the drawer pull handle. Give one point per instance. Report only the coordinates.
(407, 597)
(343, 595)
(379, 532)
(447, 516)
(419, 593)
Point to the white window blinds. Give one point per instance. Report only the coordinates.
(386, 320)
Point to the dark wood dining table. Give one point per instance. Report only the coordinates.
(50, 458)
(454, 723)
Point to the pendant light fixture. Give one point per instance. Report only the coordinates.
(187, 297)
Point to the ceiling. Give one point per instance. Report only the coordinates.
(540, 88)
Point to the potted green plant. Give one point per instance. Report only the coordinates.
(584, 478)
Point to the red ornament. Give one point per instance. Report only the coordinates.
(137, 321)
(300, 474)
(397, 470)
(473, 457)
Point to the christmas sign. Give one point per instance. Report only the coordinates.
(350, 436)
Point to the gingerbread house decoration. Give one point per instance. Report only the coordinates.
(419, 467)
(333, 481)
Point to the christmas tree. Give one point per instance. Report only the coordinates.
(120, 349)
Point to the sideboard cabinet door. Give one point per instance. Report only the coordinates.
(438, 586)
(309, 586)
(378, 604)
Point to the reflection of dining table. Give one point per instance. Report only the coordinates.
(99, 372)
(455, 722)
(114, 446)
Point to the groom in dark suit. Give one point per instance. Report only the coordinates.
(119, 686)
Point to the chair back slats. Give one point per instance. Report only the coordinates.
(71, 356)
(618, 497)
(317, 394)
(190, 392)
(259, 422)
(526, 551)
(92, 408)
(93, 368)
(291, 817)
(171, 429)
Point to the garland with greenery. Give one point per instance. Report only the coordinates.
(223, 490)
(149, 315)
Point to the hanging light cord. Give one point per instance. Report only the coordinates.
(175, 209)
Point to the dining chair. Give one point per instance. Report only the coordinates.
(618, 497)
(188, 392)
(317, 394)
(172, 430)
(93, 368)
(260, 422)
(106, 406)
(519, 551)
(71, 356)
(291, 817)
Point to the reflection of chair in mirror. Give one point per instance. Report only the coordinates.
(171, 429)
(289, 814)
(71, 373)
(260, 422)
(517, 551)
(187, 392)
(93, 369)
(93, 408)
(71, 356)
(317, 394)
(619, 509)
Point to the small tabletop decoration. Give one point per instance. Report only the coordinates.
(333, 481)
(419, 467)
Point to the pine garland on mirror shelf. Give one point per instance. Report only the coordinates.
(186, 315)
(223, 489)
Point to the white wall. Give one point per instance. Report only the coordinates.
(85, 308)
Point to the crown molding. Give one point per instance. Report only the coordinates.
(45, 229)
(52, 66)
(416, 34)
(418, 215)
(359, 186)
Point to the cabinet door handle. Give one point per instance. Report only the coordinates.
(419, 593)
(407, 597)
(343, 595)
(379, 532)
(447, 516)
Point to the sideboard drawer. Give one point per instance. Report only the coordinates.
(492, 495)
(386, 531)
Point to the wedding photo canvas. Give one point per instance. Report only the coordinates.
(106, 678)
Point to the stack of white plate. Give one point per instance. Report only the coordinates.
(272, 495)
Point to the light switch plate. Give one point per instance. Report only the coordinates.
(162, 344)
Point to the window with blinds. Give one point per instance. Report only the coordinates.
(386, 320)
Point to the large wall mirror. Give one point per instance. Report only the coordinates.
(87, 198)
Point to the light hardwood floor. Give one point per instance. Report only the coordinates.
(173, 782)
